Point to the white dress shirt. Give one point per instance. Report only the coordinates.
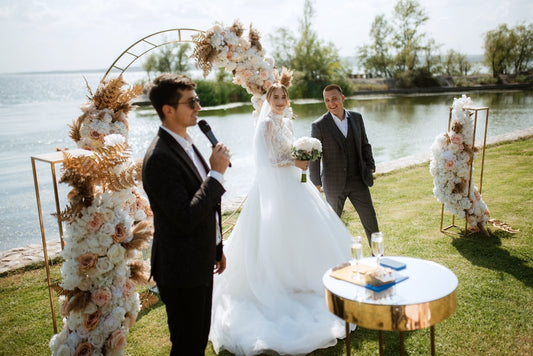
(342, 124)
(186, 143)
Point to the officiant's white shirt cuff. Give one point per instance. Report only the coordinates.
(217, 175)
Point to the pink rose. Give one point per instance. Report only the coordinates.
(457, 139)
(120, 233)
(117, 340)
(450, 165)
(263, 74)
(87, 261)
(102, 297)
(247, 73)
(129, 320)
(84, 349)
(95, 135)
(129, 288)
(95, 224)
(90, 322)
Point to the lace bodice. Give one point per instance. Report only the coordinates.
(279, 139)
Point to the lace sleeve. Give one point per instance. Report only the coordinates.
(279, 139)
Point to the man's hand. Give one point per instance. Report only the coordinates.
(220, 158)
(220, 266)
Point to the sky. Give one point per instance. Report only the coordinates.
(57, 35)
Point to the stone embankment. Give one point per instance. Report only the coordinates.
(32, 254)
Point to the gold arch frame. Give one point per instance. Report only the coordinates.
(147, 44)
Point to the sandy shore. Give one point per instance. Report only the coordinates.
(31, 254)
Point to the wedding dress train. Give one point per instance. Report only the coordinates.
(270, 298)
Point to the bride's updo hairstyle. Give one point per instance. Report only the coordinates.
(283, 84)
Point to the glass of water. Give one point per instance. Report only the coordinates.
(378, 247)
(357, 252)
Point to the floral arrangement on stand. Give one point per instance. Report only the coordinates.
(225, 47)
(107, 223)
(452, 157)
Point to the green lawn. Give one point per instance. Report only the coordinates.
(494, 314)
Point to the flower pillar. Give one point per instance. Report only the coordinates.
(452, 164)
(106, 223)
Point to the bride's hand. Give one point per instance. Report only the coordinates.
(303, 165)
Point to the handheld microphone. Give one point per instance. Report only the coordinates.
(206, 129)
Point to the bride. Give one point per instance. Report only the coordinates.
(271, 298)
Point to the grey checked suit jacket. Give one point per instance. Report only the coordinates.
(330, 171)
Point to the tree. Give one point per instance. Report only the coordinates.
(522, 52)
(497, 49)
(408, 16)
(375, 58)
(456, 63)
(432, 59)
(283, 44)
(172, 58)
(314, 62)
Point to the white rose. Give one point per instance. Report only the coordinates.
(64, 350)
(116, 253)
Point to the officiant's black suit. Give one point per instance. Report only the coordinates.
(345, 168)
(184, 248)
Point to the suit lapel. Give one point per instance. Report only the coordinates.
(180, 153)
(202, 160)
(335, 132)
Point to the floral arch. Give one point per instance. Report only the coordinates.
(107, 220)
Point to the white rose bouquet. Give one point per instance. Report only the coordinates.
(306, 149)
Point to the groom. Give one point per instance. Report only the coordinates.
(347, 162)
(184, 195)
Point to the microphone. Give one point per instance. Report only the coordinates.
(206, 129)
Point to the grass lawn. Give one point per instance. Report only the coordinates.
(494, 314)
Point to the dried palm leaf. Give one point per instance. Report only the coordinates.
(237, 28)
(142, 233)
(286, 77)
(147, 299)
(203, 52)
(78, 300)
(75, 128)
(255, 38)
(139, 272)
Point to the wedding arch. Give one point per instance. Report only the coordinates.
(107, 220)
(149, 43)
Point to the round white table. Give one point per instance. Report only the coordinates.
(425, 298)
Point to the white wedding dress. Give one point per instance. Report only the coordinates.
(270, 299)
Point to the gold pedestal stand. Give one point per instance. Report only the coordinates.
(475, 111)
(52, 159)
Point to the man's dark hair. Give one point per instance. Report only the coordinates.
(166, 90)
(333, 87)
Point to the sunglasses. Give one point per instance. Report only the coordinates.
(192, 102)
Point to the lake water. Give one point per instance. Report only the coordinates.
(35, 110)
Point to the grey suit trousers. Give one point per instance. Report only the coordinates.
(359, 195)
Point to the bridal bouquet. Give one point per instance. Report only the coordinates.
(306, 149)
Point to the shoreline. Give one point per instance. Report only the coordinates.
(20, 257)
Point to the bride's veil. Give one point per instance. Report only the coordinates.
(261, 152)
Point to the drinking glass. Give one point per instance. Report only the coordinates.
(357, 253)
(378, 246)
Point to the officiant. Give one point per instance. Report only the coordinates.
(184, 194)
